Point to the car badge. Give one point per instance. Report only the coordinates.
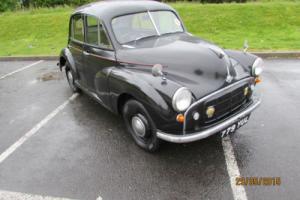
(229, 78)
(210, 111)
(246, 91)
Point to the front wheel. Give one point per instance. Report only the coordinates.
(140, 125)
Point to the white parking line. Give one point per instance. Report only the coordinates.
(238, 191)
(21, 69)
(35, 129)
(7, 195)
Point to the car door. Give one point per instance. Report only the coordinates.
(99, 58)
(76, 46)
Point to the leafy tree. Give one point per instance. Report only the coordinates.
(8, 5)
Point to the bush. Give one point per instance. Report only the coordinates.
(8, 5)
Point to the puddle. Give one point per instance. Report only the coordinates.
(50, 76)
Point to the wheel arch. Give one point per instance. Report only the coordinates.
(125, 84)
(122, 99)
(66, 58)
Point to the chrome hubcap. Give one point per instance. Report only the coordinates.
(70, 79)
(138, 126)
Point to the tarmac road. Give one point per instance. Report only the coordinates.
(81, 150)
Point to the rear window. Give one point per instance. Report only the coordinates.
(77, 28)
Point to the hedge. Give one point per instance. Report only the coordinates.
(8, 5)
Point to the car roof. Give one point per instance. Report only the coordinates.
(107, 10)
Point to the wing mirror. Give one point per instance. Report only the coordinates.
(157, 70)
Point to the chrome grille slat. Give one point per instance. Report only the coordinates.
(226, 104)
(213, 97)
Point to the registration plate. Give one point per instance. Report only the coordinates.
(232, 128)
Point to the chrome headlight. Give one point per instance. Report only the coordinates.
(182, 99)
(257, 67)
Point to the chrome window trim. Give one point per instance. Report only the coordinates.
(211, 95)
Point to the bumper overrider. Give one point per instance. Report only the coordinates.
(191, 137)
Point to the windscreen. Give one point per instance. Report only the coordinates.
(137, 26)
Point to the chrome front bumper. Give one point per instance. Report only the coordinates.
(210, 131)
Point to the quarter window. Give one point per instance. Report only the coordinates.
(96, 34)
(92, 35)
(77, 28)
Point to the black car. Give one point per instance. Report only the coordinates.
(137, 59)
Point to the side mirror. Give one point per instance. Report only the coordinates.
(157, 70)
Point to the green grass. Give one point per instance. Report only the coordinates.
(267, 27)
(35, 32)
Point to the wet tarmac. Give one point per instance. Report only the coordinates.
(83, 152)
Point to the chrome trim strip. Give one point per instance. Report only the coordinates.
(211, 95)
(207, 132)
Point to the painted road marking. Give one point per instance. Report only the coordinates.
(35, 129)
(238, 191)
(7, 195)
(21, 69)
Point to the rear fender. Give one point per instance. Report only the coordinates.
(66, 58)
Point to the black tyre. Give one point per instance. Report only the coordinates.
(71, 81)
(140, 125)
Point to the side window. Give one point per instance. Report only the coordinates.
(77, 28)
(92, 35)
(104, 41)
(96, 34)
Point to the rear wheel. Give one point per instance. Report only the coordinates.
(140, 125)
(71, 80)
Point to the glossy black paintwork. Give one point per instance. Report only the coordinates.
(188, 62)
(97, 70)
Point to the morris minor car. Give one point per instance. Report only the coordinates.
(137, 59)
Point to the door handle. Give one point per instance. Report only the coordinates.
(86, 53)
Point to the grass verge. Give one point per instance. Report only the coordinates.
(266, 26)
